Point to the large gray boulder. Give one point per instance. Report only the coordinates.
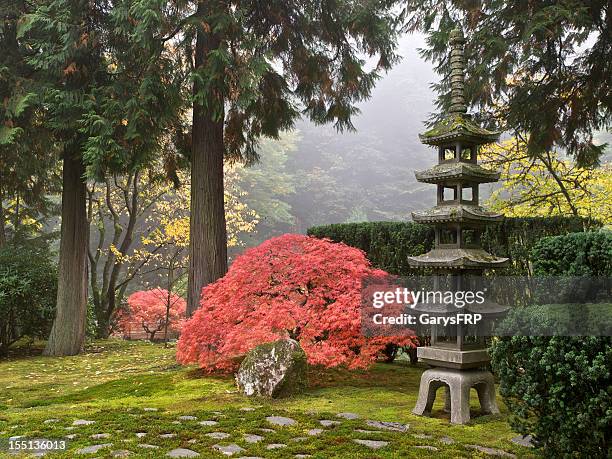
(274, 370)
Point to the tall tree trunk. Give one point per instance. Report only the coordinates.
(68, 332)
(208, 237)
(2, 221)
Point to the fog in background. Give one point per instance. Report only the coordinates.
(367, 175)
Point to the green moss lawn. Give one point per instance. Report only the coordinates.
(137, 387)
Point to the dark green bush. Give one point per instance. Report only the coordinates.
(388, 244)
(28, 286)
(576, 254)
(559, 389)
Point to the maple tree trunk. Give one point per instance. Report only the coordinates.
(208, 237)
(68, 331)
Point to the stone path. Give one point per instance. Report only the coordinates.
(523, 441)
(280, 420)
(490, 451)
(374, 444)
(93, 448)
(229, 450)
(328, 423)
(291, 435)
(395, 426)
(182, 452)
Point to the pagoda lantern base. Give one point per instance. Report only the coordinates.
(453, 358)
(458, 384)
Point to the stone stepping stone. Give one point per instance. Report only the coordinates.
(71, 436)
(150, 409)
(121, 453)
(422, 436)
(491, 451)
(387, 425)
(328, 423)
(141, 434)
(193, 441)
(251, 438)
(229, 450)
(525, 440)
(298, 439)
(187, 418)
(365, 431)
(176, 422)
(267, 430)
(427, 447)
(302, 456)
(167, 435)
(349, 416)
(247, 408)
(218, 435)
(208, 423)
(144, 445)
(93, 448)
(83, 422)
(373, 444)
(280, 421)
(182, 452)
(313, 432)
(446, 440)
(100, 436)
(276, 446)
(49, 421)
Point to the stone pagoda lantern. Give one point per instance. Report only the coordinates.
(457, 356)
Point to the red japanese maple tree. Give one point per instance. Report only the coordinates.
(292, 286)
(148, 309)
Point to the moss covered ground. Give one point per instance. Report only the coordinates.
(137, 387)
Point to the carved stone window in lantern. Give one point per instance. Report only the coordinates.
(457, 354)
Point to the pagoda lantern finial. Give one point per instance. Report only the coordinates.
(457, 75)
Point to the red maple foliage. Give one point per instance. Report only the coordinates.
(147, 309)
(292, 286)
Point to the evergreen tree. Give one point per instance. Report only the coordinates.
(543, 68)
(109, 102)
(27, 170)
(258, 66)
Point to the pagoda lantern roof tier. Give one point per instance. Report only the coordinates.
(488, 308)
(457, 259)
(457, 171)
(458, 127)
(456, 213)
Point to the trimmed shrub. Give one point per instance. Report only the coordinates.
(292, 286)
(388, 244)
(576, 254)
(559, 389)
(28, 290)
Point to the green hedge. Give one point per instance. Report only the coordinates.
(388, 244)
(559, 389)
(577, 254)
